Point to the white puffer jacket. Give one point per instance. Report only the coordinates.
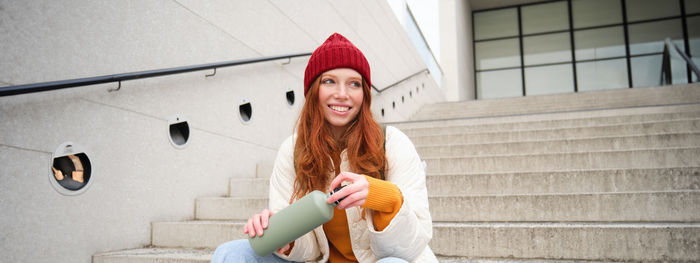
(407, 235)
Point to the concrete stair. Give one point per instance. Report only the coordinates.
(583, 181)
(644, 128)
(583, 101)
(666, 206)
(196, 234)
(667, 140)
(156, 255)
(592, 177)
(551, 241)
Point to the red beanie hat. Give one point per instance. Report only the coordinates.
(336, 52)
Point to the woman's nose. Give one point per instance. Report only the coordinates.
(341, 92)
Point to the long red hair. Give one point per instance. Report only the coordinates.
(316, 152)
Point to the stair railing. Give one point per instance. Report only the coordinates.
(402, 80)
(666, 73)
(71, 83)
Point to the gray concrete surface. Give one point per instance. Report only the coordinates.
(651, 158)
(581, 181)
(562, 102)
(569, 241)
(642, 128)
(547, 124)
(595, 144)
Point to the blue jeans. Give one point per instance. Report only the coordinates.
(240, 251)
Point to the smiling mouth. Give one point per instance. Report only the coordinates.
(340, 108)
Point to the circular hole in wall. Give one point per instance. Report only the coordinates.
(290, 97)
(71, 170)
(393, 105)
(403, 99)
(179, 131)
(245, 111)
(382, 112)
(416, 90)
(423, 84)
(410, 94)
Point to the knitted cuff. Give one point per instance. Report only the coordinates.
(383, 196)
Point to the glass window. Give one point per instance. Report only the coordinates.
(638, 10)
(551, 48)
(587, 13)
(694, 39)
(649, 37)
(646, 71)
(602, 75)
(499, 84)
(694, 36)
(497, 54)
(599, 43)
(422, 47)
(498, 23)
(545, 17)
(692, 7)
(549, 79)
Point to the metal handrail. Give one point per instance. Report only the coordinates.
(666, 76)
(71, 83)
(402, 80)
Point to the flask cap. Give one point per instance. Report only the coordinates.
(336, 190)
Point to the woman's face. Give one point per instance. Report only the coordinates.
(340, 95)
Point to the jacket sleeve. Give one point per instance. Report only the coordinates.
(410, 231)
(281, 187)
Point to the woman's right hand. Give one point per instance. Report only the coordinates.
(257, 223)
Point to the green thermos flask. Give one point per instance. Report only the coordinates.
(294, 221)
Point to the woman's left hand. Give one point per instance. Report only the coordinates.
(355, 193)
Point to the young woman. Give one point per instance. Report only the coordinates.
(384, 216)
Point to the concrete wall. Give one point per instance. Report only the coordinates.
(138, 176)
(405, 99)
(457, 56)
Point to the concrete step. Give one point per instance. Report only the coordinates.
(549, 162)
(195, 234)
(256, 190)
(546, 241)
(645, 128)
(531, 118)
(220, 208)
(187, 255)
(155, 255)
(622, 98)
(482, 126)
(667, 140)
(666, 206)
(249, 187)
(263, 169)
(674, 242)
(581, 181)
(446, 259)
(669, 206)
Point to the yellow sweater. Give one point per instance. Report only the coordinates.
(384, 199)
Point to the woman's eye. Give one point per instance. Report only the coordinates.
(356, 84)
(327, 81)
